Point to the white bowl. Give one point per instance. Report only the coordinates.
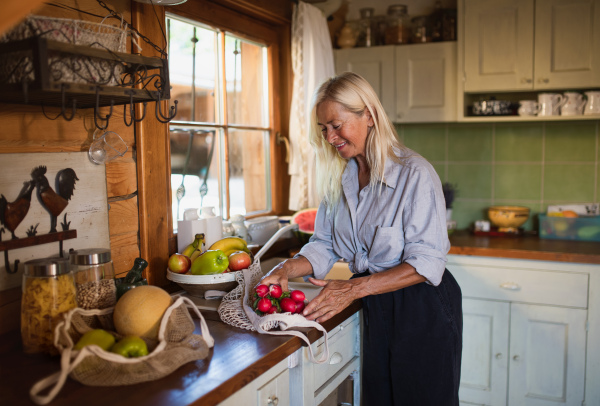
(196, 285)
(261, 229)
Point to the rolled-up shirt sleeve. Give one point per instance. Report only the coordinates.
(319, 249)
(425, 234)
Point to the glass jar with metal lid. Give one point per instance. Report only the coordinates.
(94, 278)
(397, 29)
(48, 292)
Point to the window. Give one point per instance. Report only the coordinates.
(220, 137)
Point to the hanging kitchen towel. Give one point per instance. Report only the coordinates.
(177, 345)
(235, 310)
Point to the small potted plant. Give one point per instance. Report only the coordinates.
(449, 194)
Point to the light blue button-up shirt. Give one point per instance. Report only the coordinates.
(375, 229)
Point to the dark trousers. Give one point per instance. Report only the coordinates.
(412, 345)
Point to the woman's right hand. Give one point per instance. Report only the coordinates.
(276, 276)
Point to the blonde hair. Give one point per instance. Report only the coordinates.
(355, 94)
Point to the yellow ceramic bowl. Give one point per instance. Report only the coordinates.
(508, 217)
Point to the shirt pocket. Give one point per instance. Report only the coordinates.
(387, 246)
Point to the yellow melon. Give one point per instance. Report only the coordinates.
(139, 311)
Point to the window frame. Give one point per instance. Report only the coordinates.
(262, 27)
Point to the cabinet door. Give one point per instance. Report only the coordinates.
(547, 350)
(376, 65)
(498, 45)
(426, 82)
(276, 391)
(567, 44)
(484, 372)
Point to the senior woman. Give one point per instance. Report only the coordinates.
(383, 211)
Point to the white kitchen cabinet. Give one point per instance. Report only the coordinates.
(297, 381)
(376, 65)
(529, 331)
(269, 389)
(484, 376)
(519, 45)
(415, 83)
(547, 355)
(426, 82)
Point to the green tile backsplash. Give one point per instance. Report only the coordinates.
(524, 164)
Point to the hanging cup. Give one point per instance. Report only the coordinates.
(106, 148)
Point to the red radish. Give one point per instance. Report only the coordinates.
(272, 310)
(262, 290)
(275, 291)
(300, 307)
(297, 295)
(288, 305)
(264, 305)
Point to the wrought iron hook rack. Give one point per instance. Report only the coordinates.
(37, 71)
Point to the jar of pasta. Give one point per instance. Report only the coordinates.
(94, 278)
(48, 293)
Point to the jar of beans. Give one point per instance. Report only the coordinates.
(94, 278)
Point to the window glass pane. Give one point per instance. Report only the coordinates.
(245, 71)
(192, 60)
(248, 172)
(194, 171)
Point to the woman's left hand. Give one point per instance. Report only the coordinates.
(335, 296)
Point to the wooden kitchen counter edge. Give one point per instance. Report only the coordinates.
(239, 356)
(525, 247)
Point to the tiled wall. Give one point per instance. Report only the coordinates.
(524, 164)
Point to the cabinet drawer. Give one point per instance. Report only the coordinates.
(522, 285)
(343, 347)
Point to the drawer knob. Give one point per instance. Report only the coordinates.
(273, 401)
(516, 358)
(499, 355)
(336, 358)
(510, 286)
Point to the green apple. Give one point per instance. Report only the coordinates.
(130, 347)
(209, 263)
(99, 337)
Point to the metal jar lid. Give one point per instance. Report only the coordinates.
(47, 267)
(90, 256)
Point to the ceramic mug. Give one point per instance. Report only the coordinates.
(573, 104)
(550, 104)
(592, 105)
(528, 107)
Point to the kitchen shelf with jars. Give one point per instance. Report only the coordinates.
(397, 27)
(75, 64)
(528, 60)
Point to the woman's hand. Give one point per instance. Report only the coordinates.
(335, 296)
(276, 276)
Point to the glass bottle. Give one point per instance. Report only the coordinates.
(421, 30)
(133, 278)
(397, 25)
(366, 34)
(94, 278)
(48, 292)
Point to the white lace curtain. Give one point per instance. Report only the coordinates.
(312, 63)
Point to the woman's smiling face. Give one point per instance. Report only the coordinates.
(344, 130)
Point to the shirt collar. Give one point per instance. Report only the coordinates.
(392, 168)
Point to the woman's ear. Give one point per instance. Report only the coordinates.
(370, 120)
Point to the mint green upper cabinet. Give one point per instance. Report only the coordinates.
(519, 45)
(567, 44)
(498, 45)
(376, 65)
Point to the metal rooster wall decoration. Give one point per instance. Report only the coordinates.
(54, 201)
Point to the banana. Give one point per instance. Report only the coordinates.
(230, 244)
(195, 245)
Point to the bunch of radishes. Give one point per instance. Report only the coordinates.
(272, 299)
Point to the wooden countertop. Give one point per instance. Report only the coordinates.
(525, 247)
(238, 357)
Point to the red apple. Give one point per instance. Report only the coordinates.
(239, 260)
(179, 263)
